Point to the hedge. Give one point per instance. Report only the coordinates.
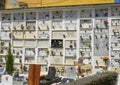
(105, 78)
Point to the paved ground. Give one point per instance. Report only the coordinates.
(16, 83)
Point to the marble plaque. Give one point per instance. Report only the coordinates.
(71, 14)
(18, 25)
(5, 35)
(43, 34)
(6, 17)
(43, 44)
(30, 43)
(43, 52)
(70, 44)
(58, 35)
(43, 25)
(42, 59)
(18, 16)
(86, 13)
(18, 35)
(115, 11)
(57, 52)
(18, 51)
(71, 24)
(71, 72)
(70, 52)
(57, 25)
(44, 15)
(5, 43)
(30, 25)
(86, 24)
(57, 14)
(56, 59)
(6, 26)
(30, 51)
(70, 60)
(7, 80)
(101, 12)
(29, 59)
(30, 35)
(30, 16)
(18, 43)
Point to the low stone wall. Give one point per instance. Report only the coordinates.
(106, 78)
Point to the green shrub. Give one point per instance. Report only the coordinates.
(106, 78)
(9, 61)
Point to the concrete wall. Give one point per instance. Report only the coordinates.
(45, 3)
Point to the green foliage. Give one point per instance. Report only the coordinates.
(106, 78)
(9, 61)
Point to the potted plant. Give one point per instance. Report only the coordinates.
(8, 77)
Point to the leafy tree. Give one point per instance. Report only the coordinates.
(9, 61)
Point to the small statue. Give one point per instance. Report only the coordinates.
(79, 70)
